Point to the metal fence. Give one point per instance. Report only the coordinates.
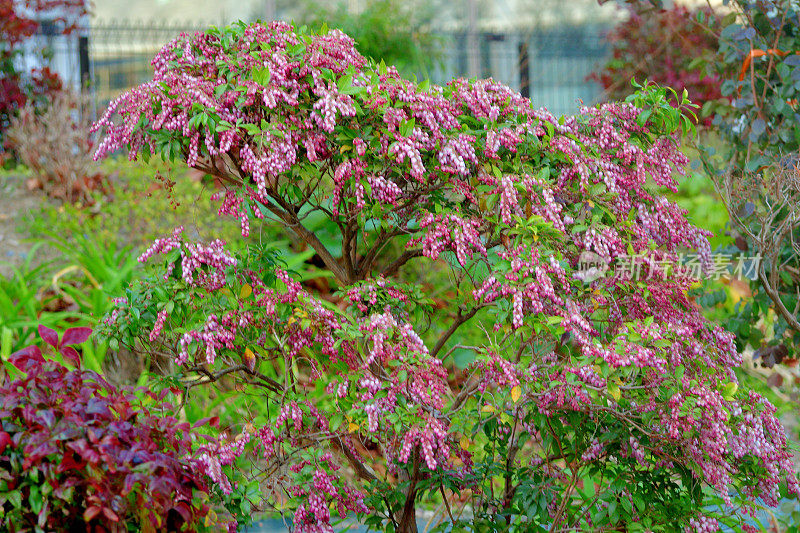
(549, 65)
(121, 53)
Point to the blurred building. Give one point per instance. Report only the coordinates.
(187, 12)
(544, 48)
(67, 55)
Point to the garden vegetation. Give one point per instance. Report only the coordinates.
(532, 396)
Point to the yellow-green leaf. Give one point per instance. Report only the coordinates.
(729, 390)
(211, 518)
(614, 391)
(250, 359)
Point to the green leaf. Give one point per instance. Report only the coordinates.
(35, 499)
(15, 497)
(353, 89)
(344, 82)
(614, 391)
(252, 129)
(728, 390)
(406, 127)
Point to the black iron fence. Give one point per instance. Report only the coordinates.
(549, 65)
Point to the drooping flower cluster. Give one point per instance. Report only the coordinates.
(211, 458)
(450, 232)
(201, 264)
(375, 295)
(314, 516)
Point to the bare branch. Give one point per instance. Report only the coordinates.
(400, 261)
(286, 212)
(461, 318)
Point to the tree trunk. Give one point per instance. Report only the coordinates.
(408, 521)
(408, 518)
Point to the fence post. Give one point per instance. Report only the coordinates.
(524, 70)
(83, 59)
(473, 47)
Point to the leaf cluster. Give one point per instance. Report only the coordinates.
(77, 452)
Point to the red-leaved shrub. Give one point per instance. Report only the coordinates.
(77, 453)
(19, 21)
(668, 47)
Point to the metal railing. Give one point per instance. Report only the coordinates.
(549, 65)
(121, 53)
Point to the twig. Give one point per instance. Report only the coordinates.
(460, 319)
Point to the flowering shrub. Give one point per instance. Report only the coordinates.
(77, 453)
(542, 396)
(666, 46)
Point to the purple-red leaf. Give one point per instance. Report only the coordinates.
(91, 512)
(48, 417)
(48, 335)
(69, 463)
(213, 421)
(71, 356)
(29, 354)
(183, 509)
(5, 440)
(75, 336)
(111, 515)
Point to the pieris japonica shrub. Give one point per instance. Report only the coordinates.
(531, 393)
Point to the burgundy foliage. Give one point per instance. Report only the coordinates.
(667, 46)
(77, 453)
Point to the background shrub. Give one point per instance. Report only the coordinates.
(394, 31)
(756, 169)
(18, 22)
(665, 46)
(54, 142)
